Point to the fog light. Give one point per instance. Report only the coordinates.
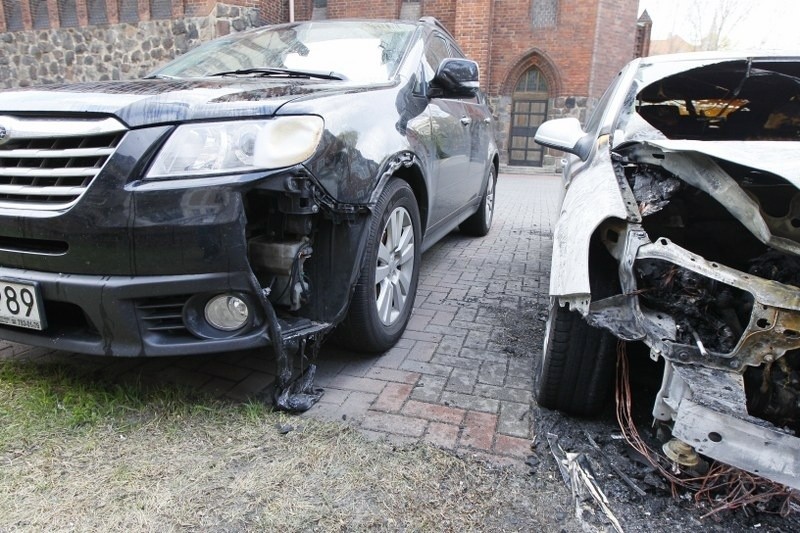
(226, 312)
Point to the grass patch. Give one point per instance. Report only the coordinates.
(81, 453)
(40, 400)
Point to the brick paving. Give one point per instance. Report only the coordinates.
(453, 380)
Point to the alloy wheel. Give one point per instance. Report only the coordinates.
(489, 203)
(394, 267)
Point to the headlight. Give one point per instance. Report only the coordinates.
(238, 146)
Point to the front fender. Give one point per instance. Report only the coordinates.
(591, 197)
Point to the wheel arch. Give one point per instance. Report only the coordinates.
(591, 199)
(407, 167)
(362, 329)
(413, 176)
(602, 266)
(576, 375)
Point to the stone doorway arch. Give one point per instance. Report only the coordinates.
(531, 85)
(529, 106)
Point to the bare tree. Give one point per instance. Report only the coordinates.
(712, 20)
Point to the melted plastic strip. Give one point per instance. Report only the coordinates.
(290, 395)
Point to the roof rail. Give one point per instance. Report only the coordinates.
(435, 22)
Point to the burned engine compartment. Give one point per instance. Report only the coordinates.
(303, 247)
(709, 314)
(279, 240)
(305, 293)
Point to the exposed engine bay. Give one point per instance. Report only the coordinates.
(710, 314)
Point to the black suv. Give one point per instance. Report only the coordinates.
(269, 184)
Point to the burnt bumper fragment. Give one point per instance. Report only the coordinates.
(143, 316)
(709, 410)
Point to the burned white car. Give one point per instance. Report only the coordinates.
(680, 228)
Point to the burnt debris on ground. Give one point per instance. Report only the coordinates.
(638, 495)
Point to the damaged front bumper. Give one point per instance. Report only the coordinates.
(708, 407)
(146, 315)
(703, 391)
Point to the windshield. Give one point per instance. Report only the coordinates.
(359, 51)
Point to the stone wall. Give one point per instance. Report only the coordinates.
(111, 51)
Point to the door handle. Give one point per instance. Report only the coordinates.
(466, 121)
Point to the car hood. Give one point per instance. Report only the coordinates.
(156, 101)
(777, 157)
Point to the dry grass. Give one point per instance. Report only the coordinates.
(80, 455)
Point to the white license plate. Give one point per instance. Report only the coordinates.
(21, 305)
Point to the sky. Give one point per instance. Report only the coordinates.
(760, 24)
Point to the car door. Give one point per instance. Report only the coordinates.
(480, 134)
(450, 141)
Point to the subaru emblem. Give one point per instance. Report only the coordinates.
(3, 134)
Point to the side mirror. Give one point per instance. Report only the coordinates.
(456, 77)
(565, 134)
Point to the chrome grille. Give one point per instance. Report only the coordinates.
(48, 164)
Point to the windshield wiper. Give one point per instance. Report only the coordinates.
(275, 71)
(161, 77)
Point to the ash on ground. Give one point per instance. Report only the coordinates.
(659, 508)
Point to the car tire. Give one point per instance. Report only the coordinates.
(384, 294)
(480, 223)
(577, 368)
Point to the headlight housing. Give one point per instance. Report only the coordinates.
(212, 148)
